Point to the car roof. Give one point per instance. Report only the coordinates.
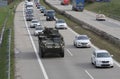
(101, 51)
(34, 20)
(60, 20)
(81, 35)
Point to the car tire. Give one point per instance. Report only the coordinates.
(42, 54)
(95, 65)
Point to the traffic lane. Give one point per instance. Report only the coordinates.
(82, 57)
(105, 73)
(57, 4)
(25, 59)
(78, 53)
(48, 70)
(90, 18)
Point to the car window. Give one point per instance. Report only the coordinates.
(102, 55)
(60, 21)
(82, 38)
(34, 21)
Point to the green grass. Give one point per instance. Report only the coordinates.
(111, 9)
(4, 57)
(96, 40)
(3, 50)
(3, 14)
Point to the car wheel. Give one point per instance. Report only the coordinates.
(95, 65)
(42, 54)
(92, 62)
(112, 66)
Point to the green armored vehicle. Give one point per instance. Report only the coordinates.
(51, 42)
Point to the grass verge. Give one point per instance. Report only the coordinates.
(110, 9)
(3, 50)
(96, 40)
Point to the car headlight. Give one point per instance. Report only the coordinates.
(98, 61)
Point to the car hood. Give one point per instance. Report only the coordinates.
(104, 59)
(59, 24)
(38, 30)
(83, 41)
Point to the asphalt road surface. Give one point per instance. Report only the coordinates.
(109, 26)
(75, 65)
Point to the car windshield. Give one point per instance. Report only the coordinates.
(102, 55)
(60, 21)
(40, 28)
(51, 12)
(82, 38)
(34, 21)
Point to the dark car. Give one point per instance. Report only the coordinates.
(50, 15)
(42, 9)
(29, 17)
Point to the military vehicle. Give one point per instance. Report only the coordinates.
(51, 42)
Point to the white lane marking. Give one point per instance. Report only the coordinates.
(34, 47)
(89, 74)
(95, 47)
(69, 52)
(78, 34)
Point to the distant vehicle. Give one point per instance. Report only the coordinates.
(50, 15)
(45, 12)
(100, 17)
(29, 17)
(42, 9)
(51, 42)
(29, 4)
(65, 2)
(38, 30)
(34, 23)
(29, 10)
(60, 24)
(82, 41)
(102, 58)
(78, 5)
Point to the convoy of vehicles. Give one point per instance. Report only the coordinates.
(51, 42)
(78, 5)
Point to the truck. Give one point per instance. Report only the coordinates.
(65, 2)
(51, 42)
(78, 5)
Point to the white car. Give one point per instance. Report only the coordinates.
(38, 30)
(82, 41)
(34, 23)
(60, 24)
(102, 58)
(100, 17)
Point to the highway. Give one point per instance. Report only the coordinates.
(109, 26)
(75, 65)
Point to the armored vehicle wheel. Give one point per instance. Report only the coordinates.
(62, 54)
(42, 54)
